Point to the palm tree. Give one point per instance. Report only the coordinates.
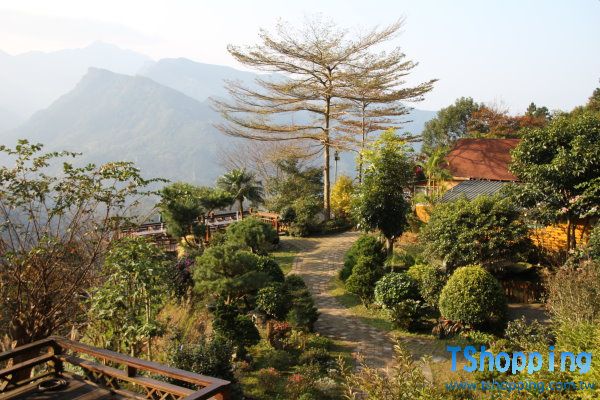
(242, 184)
(436, 173)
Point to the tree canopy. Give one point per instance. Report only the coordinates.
(381, 202)
(318, 65)
(559, 170)
(183, 206)
(229, 273)
(242, 185)
(449, 124)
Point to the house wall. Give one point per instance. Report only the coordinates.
(422, 212)
(553, 238)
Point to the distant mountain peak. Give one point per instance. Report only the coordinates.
(114, 117)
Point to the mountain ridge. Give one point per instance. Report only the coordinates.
(110, 116)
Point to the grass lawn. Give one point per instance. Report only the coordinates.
(285, 259)
(285, 255)
(376, 318)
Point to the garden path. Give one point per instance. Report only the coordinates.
(317, 262)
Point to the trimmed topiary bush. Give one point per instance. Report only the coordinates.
(430, 280)
(294, 282)
(365, 275)
(209, 356)
(394, 288)
(273, 300)
(399, 293)
(251, 232)
(235, 327)
(270, 267)
(366, 245)
(474, 297)
(303, 314)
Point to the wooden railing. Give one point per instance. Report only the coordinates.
(157, 232)
(120, 373)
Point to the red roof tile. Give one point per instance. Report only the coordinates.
(481, 159)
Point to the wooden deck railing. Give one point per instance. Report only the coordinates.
(157, 231)
(105, 368)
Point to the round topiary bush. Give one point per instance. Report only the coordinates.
(399, 293)
(365, 275)
(394, 288)
(366, 245)
(473, 297)
(431, 281)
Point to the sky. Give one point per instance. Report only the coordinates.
(504, 52)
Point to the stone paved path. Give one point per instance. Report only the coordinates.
(318, 262)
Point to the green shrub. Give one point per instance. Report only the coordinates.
(303, 314)
(281, 360)
(394, 288)
(228, 272)
(366, 245)
(478, 338)
(306, 223)
(207, 357)
(528, 336)
(257, 235)
(270, 267)
(273, 300)
(399, 294)
(487, 230)
(319, 342)
(319, 357)
(365, 275)
(287, 215)
(474, 297)
(593, 245)
(430, 280)
(336, 225)
(574, 294)
(294, 282)
(237, 328)
(268, 381)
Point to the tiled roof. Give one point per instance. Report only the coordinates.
(481, 159)
(472, 189)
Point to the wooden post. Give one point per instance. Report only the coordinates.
(131, 371)
(57, 364)
(224, 395)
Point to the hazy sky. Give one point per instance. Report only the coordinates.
(505, 51)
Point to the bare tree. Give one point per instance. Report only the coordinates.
(312, 64)
(376, 93)
(262, 157)
(54, 232)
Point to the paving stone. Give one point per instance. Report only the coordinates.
(318, 264)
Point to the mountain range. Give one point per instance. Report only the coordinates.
(114, 104)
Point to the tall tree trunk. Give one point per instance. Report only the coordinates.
(326, 166)
(241, 207)
(362, 145)
(389, 246)
(568, 234)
